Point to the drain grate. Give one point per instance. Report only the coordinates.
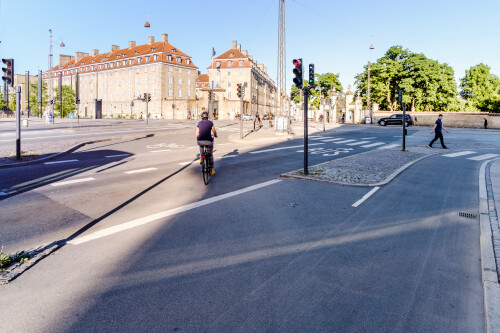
(467, 215)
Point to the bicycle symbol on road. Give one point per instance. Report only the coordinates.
(327, 151)
(165, 145)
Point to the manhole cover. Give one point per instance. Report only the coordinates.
(467, 215)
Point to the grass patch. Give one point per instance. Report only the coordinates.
(7, 260)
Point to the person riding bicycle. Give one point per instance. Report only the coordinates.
(204, 131)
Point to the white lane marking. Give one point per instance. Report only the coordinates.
(357, 143)
(3, 193)
(185, 163)
(140, 170)
(467, 152)
(371, 138)
(159, 151)
(223, 144)
(148, 219)
(329, 140)
(291, 147)
(482, 157)
(118, 155)
(57, 162)
(373, 144)
(345, 141)
(193, 147)
(389, 146)
(317, 138)
(366, 196)
(226, 156)
(74, 181)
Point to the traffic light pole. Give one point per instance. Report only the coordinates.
(306, 167)
(241, 117)
(18, 123)
(404, 126)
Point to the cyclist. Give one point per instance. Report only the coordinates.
(204, 137)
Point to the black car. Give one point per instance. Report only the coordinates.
(395, 119)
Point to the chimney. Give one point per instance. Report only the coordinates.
(234, 44)
(63, 59)
(250, 57)
(151, 40)
(95, 52)
(114, 48)
(245, 53)
(80, 55)
(164, 38)
(238, 46)
(265, 69)
(131, 44)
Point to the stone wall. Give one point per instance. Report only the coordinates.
(450, 119)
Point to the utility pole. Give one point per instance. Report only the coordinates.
(368, 101)
(27, 80)
(306, 150)
(281, 75)
(18, 123)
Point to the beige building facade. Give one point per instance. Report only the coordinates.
(226, 71)
(113, 83)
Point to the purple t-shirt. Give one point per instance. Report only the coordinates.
(205, 130)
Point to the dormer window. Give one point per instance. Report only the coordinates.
(231, 54)
(169, 57)
(241, 63)
(155, 57)
(229, 63)
(217, 64)
(153, 49)
(179, 60)
(136, 52)
(147, 58)
(188, 61)
(174, 50)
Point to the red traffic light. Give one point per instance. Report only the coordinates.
(7, 62)
(297, 62)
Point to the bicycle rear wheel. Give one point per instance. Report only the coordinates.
(205, 170)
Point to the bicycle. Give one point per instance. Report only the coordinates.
(206, 160)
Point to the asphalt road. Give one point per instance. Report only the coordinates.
(250, 252)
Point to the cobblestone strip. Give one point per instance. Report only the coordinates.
(495, 227)
(34, 255)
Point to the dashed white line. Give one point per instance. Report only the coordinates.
(482, 157)
(345, 141)
(185, 163)
(74, 181)
(159, 151)
(151, 218)
(57, 162)
(329, 140)
(373, 144)
(118, 155)
(226, 156)
(371, 138)
(366, 196)
(140, 170)
(462, 153)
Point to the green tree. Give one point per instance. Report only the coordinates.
(324, 83)
(68, 101)
(480, 89)
(12, 102)
(427, 85)
(3, 102)
(34, 103)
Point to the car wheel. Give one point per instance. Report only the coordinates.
(382, 123)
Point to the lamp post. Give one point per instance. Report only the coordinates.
(368, 102)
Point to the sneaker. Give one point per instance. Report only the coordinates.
(212, 172)
(446, 148)
(429, 146)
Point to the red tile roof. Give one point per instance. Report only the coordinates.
(233, 55)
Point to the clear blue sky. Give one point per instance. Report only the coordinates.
(332, 34)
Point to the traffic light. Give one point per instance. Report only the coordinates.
(238, 89)
(210, 95)
(145, 97)
(8, 75)
(149, 97)
(311, 75)
(297, 71)
(242, 91)
(399, 96)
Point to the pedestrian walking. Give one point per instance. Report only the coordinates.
(438, 134)
(485, 123)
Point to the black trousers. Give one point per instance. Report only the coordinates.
(436, 136)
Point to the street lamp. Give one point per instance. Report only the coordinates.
(368, 102)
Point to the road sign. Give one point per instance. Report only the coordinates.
(71, 115)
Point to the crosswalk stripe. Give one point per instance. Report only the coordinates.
(318, 138)
(357, 143)
(389, 146)
(370, 138)
(482, 157)
(57, 162)
(373, 144)
(140, 170)
(345, 141)
(461, 153)
(72, 181)
(329, 140)
(274, 149)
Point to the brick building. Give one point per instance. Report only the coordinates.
(111, 82)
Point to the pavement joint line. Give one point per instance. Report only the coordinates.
(58, 162)
(140, 170)
(151, 218)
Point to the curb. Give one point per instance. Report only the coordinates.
(382, 183)
(490, 281)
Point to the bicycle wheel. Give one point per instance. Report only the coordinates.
(205, 170)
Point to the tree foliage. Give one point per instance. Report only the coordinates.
(427, 85)
(34, 103)
(480, 89)
(324, 83)
(68, 101)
